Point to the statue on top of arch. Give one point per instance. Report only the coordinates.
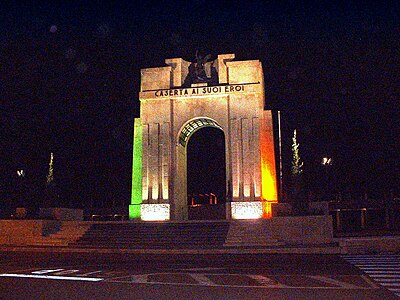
(201, 71)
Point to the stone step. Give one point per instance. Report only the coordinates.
(161, 239)
(49, 242)
(271, 242)
(155, 235)
(69, 233)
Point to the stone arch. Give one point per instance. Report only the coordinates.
(171, 111)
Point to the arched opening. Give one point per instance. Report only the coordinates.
(206, 174)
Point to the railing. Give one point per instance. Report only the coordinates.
(107, 217)
(200, 199)
(350, 219)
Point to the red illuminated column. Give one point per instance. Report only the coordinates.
(269, 190)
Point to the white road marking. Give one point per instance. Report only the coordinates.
(51, 277)
(139, 278)
(90, 273)
(263, 282)
(380, 272)
(328, 280)
(65, 272)
(389, 279)
(388, 264)
(267, 282)
(46, 271)
(200, 269)
(394, 284)
(202, 279)
(387, 275)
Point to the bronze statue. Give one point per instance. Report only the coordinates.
(199, 67)
(199, 72)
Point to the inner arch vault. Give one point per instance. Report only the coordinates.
(194, 125)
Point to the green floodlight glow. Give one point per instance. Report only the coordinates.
(136, 200)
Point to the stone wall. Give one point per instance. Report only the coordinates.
(287, 230)
(302, 230)
(23, 232)
(40, 232)
(62, 214)
(370, 245)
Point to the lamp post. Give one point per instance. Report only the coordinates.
(280, 158)
(326, 163)
(20, 210)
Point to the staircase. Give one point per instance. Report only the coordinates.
(64, 234)
(154, 235)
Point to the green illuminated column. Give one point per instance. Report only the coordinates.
(136, 200)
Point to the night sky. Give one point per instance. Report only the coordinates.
(70, 77)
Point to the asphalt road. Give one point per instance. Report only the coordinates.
(35, 275)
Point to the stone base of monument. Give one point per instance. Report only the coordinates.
(281, 209)
(61, 214)
(301, 230)
(313, 209)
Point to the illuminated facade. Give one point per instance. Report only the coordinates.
(230, 96)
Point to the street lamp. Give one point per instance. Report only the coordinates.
(326, 163)
(20, 210)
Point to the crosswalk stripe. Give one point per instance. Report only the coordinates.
(383, 269)
(376, 259)
(360, 256)
(376, 266)
(394, 258)
(375, 262)
(385, 275)
(390, 284)
(380, 272)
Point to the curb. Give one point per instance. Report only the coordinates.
(231, 250)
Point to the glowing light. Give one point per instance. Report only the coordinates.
(21, 173)
(327, 161)
(267, 209)
(154, 190)
(136, 197)
(269, 189)
(268, 183)
(155, 212)
(246, 185)
(247, 210)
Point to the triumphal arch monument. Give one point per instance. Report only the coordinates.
(184, 97)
